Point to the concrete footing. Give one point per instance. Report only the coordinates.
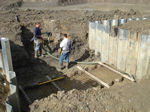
(7, 69)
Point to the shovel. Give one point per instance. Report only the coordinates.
(42, 83)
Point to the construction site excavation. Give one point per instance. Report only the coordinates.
(74, 56)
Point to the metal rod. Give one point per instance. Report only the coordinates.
(97, 79)
(54, 83)
(25, 95)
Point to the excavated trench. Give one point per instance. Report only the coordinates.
(30, 70)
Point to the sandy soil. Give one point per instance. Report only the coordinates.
(127, 97)
(3, 92)
(87, 94)
(138, 26)
(10, 4)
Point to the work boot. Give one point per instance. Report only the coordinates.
(61, 66)
(67, 66)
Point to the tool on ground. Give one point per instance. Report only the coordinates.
(46, 82)
(25, 95)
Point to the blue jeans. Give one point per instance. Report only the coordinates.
(38, 46)
(64, 56)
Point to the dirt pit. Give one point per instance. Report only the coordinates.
(120, 98)
(79, 92)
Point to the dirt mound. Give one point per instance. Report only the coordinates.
(142, 26)
(116, 99)
(10, 4)
(67, 2)
(125, 1)
(3, 92)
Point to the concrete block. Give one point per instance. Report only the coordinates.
(12, 76)
(13, 98)
(12, 89)
(8, 108)
(115, 22)
(6, 53)
(1, 64)
(122, 21)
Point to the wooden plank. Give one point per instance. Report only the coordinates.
(132, 46)
(95, 78)
(122, 49)
(105, 47)
(115, 50)
(98, 38)
(111, 50)
(92, 35)
(105, 41)
(143, 57)
(1, 64)
(99, 34)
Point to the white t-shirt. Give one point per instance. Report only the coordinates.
(65, 44)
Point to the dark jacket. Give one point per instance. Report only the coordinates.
(37, 33)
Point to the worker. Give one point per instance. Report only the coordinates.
(37, 40)
(65, 46)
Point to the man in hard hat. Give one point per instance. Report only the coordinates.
(37, 40)
(65, 46)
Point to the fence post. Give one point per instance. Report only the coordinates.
(13, 98)
(113, 42)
